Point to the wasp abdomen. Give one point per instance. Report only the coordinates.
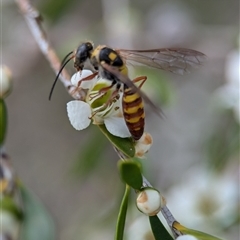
(133, 111)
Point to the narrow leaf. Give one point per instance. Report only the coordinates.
(122, 215)
(199, 235)
(37, 223)
(159, 231)
(126, 145)
(130, 172)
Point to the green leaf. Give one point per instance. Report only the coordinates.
(54, 10)
(122, 215)
(130, 172)
(125, 145)
(223, 144)
(91, 154)
(37, 223)
(199, 235)
(8, 204)
(3, 121)
(159, 231)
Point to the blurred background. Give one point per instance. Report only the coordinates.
(194, 160)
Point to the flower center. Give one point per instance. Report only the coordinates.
(101, 99)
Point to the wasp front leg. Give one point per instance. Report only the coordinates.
(77, 85)
(88, 78)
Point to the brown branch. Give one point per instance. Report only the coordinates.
(34, 22)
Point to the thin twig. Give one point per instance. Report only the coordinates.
(34, 22)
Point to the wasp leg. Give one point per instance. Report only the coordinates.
(141, 78)
(88, 78)
(103, 91)
(114, 97)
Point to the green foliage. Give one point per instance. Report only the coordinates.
(159, 231)
(8, 205)
(3, 121)
(130, 172)
(91, 154)
(199, 235)
(37, 223)
(224, 145)
(122, 215)
(125, 145)
(54, 10)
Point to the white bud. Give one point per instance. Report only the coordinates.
(149, 201)
(143, 145)
(5, 81)
(187, 237)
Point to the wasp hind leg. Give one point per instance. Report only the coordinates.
(138, 79)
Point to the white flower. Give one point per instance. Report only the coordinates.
(229, 94)
(140, 229)
(202, 200)
(97, 108)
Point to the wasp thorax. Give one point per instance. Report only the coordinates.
(83, 53)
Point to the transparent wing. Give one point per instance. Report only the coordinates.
(176, 60)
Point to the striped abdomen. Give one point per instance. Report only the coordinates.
(133, 112)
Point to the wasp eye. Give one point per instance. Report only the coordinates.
(89, 46)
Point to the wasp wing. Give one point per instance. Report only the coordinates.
(176, 60)
(126, 80)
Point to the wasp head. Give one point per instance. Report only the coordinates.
(83, 53)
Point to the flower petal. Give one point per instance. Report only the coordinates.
(80, 75)
(117, 127)
(78, 114)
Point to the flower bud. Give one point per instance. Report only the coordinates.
(143, 145)
(186, 237)
(5, 81)
(149, 201)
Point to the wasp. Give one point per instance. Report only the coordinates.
(111, 64)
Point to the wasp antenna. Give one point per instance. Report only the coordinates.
(65, 58)
(65, 62)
